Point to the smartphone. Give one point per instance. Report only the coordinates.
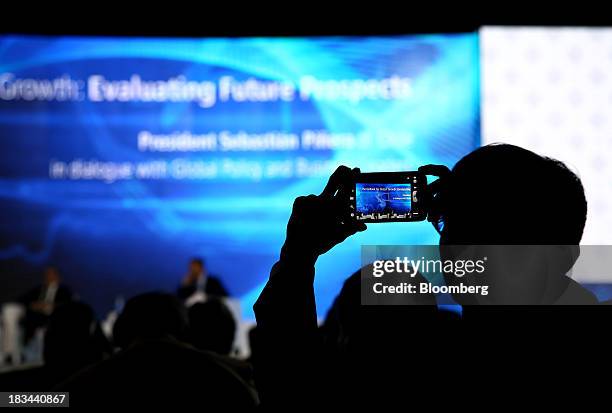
(388, 197)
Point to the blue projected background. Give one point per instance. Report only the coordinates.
(122, 157)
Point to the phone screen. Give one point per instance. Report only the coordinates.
(388, 197)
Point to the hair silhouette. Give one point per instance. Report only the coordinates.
(212, 326)
(150, 316)
(505, 195)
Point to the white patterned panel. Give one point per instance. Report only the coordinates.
(550, 90)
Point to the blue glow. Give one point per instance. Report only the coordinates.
(120, 237)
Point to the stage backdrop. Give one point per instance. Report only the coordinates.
(122, 157)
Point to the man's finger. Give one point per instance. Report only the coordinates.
(347, 230)
(346, 185)
(435, 187)
(440, 171)
(335, 181)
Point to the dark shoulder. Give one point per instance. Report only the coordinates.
(165, 370)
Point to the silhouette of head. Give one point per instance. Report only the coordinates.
(73, 337)
(349, 324)
(505, 195)
(150, 316)
(212, 326)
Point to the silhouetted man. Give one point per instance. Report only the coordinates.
(42, 300)
(198, 283)
(212, 326)
(73, 340)
(497, 195)
(155, 366)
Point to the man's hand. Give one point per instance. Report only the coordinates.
(435, 194)
(189, 279)
(319, 222)
(41, 307)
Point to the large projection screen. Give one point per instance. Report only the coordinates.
(124, 157)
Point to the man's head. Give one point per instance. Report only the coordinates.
(506, 195)
(150, 316)
(212, 326)
(503, 195)
(196, 266)
(73, 337)
(51, 275)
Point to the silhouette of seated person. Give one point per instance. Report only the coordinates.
(212, 327)
(40, 301)
(354, 335)
(73, 340)
(198, 283)
(496, 195)
(155, 366)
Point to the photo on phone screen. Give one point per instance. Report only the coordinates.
(388, 197)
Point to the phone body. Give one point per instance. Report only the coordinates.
(388, 197)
